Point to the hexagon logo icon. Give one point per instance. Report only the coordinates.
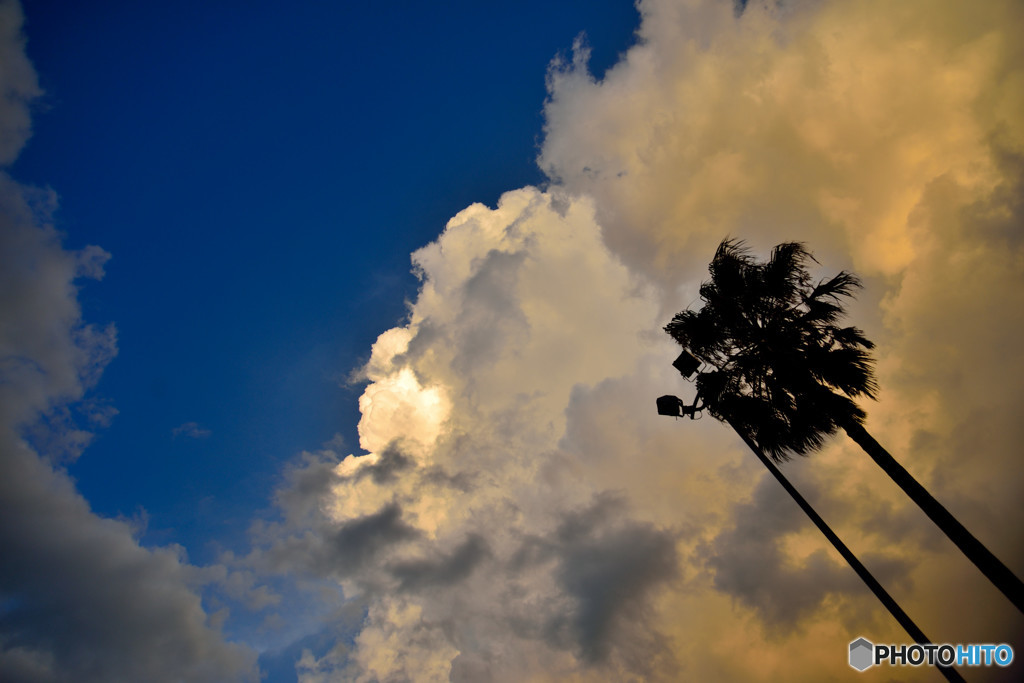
(861, 654)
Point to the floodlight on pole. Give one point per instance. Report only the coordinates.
(673, 406)
(686, 364)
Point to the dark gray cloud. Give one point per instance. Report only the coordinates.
(360, 540)
(84, 602)
(80, 600)
(608, 565)
(330, 549)
(611, 577)
(308, 540)
(444, 570)
(48, 355)
(305, 484)
(387, 467)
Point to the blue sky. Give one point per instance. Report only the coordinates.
(330, 335)
(260, 178)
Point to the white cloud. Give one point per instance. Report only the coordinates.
(483, 552)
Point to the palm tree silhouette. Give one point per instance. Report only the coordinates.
(784, 373)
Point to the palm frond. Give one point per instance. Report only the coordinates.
(785, 372)
(852, 336)
(785, 273)
(841, 285)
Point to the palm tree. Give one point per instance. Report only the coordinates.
(784, 373)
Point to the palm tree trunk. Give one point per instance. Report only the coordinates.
(883, 596)
(997, 572)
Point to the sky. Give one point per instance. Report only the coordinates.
(330, 336)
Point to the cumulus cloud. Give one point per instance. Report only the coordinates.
(533, 520)
(469, 530)
(80, 599)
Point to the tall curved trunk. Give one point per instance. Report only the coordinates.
(950, 673)
(997, 572)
